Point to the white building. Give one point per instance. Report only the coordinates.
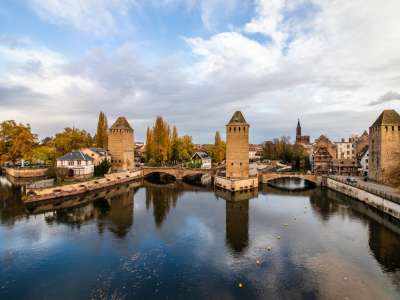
(202, 158)
(79, 164)
(345, 149)
(363, 159)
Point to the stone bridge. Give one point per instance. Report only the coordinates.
(178, 172)
(266, 177)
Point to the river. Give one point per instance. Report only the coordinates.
(177, 241)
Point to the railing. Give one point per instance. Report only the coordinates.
(377, 192)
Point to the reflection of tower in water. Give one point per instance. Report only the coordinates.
(237, 224)
(121, 213)
(237, 217)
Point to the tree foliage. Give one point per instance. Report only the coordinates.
(102, 168)
(218, 149)
(282, 150)
(102, 132)
(71, 139)
(163, 147)
(16, 140)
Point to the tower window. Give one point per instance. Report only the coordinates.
(230, 129)
(231, 164)
(239, 129)
(244, 129)
(234, 129)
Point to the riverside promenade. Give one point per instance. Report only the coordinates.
(381, 197)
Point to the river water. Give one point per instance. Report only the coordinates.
(177, 241)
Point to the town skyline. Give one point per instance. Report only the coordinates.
(276, 61)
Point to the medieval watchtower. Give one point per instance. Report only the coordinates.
(237, 147)
(121, 145)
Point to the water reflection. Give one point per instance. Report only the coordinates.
(179, 247)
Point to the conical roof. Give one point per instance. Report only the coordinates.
(121, 123)
(237, 118)
(387, 117)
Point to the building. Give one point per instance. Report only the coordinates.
(361, 142)
(301, 139)
(237, 157)
(139, 151)
(345, 149)
(323, 154)
(384, 147)
(202, 159)
(79, 164)
(346, 167)
(255, 152)
(121, 145)
(98, 154)
(363, 158)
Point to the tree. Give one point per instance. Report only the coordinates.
(16, 140)
(102, 168)
(102, 131)
(174, 145)
(45, 154)
(71, 139)
(218, 150)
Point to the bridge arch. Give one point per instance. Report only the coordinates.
(267, 177)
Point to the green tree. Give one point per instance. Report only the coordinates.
(175, 145)
(102, 168)
(45, 154)
(102, 131)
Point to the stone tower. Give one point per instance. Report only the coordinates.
(237, 147)
(298, 132)
(384, 146)
(121, 145)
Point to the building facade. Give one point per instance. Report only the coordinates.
(79, 164)
(237, 147)
(384, 147)
(121, 145)
(202, 159)
(323, 154)
(345, 149)
(363, 159)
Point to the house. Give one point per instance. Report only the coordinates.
(345, 149)
(324, 151)
(78, 163)
(98, 154)
(344, 166)
(363, 161)
(203, 159)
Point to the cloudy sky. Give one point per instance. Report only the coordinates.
(335, 64)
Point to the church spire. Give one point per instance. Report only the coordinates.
(298, 130)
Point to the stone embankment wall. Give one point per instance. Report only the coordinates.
(236, 184)
(376, 201)
(83, 187)
(26, 173)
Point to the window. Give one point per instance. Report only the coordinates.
(70, 163)
(234, 129)
(239, 129)
(78, 162)
(244, 129)
(231, 164)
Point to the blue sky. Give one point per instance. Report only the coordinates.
(197, 61)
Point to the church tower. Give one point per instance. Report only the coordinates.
(237, 147)
(121, 145)
(298, 132)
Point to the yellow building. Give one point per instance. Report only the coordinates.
(384, 147)
(121, 145)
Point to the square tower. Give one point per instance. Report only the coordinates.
(237, 147)
(384, 146)
(121, 145)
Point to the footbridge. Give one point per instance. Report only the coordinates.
(266, 177)
(178, 172)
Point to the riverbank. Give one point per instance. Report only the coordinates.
(386, 203)
(37, 195)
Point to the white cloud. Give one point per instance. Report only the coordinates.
(325, 67)
(389, 96)
(93, 16)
